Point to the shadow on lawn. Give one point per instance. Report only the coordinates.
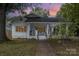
(18, 48)
(65, 47)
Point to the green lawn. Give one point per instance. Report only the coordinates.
(65, 48)
(18, 48)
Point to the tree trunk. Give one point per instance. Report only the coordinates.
(2, 23)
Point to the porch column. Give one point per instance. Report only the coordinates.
(47, 30)
(28, 31)
(36, 32)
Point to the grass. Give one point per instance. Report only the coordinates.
(28, 47)
(65, 48)
(18, 48)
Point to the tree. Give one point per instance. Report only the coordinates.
(20, 6)
(71, 13)
(2, 22)
(40, 11)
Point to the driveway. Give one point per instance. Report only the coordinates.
(44, 49)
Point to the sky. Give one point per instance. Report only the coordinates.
(50, 5)
(53, 8)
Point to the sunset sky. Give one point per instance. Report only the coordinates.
(53, 8)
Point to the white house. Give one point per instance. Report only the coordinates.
(33, 26)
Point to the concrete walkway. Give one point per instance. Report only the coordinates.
(44, 49)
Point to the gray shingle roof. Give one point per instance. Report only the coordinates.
(44, 19)
(35, 18)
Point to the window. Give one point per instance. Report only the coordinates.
(20, 28)
(40, 27)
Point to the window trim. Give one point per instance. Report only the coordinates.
(21, 29)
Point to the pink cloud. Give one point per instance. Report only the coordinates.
(53, 11)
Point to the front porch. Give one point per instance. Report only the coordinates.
(47, 30)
